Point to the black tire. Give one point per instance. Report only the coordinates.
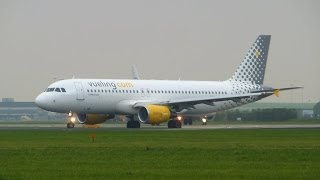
(177, 124)
(130, 124)
(187, 121)
(133, 124)
(170, 124)
(70, 125)
(136, 124)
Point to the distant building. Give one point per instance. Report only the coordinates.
(304, 110)
(7, 99)
(25, 111)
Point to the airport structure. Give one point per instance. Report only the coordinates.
(304, 110)
(11, 110)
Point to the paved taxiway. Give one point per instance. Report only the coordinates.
(149, 127)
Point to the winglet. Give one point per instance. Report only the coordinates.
(276, 92)
(135, 74)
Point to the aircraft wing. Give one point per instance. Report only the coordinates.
(211, 100)
(190, 102)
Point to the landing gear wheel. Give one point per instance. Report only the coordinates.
(174, 124)
(133, 124)
(178, 123)
(187, 121)
(70, 125)
(171, 124)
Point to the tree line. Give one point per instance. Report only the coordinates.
(277, 114)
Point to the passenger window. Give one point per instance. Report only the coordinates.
(57, 90)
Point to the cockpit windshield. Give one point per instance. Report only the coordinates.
(56, 90)
(50, 89)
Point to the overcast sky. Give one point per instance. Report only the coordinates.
(42, 41)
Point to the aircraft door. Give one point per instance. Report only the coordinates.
(80, 90)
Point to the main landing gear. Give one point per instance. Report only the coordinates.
(132, 123)
(174, 123)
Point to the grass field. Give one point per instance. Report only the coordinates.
(160, 154)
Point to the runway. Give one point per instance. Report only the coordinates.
(149, 127)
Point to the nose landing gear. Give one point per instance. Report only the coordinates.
(70, 125)
(71, 120)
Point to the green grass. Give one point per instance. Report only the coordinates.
(160, 154)
(273, 122)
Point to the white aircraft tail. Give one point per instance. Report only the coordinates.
(135, 74)
(252, 68)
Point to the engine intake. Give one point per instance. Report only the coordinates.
(154, 114)
(93, 118)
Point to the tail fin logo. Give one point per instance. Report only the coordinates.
(253, 66)
(257, 54)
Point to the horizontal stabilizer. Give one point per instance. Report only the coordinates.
(276, 92)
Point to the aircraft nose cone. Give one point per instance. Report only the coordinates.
(41, 101)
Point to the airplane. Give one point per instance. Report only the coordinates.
(93, 101)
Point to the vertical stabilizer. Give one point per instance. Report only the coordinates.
(252, 68)
(135, 74)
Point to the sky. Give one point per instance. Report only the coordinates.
(44, 41)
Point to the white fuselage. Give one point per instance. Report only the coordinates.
(111, 96)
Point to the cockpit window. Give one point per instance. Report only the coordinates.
(50, 89)
(57, 90)
(63, 90)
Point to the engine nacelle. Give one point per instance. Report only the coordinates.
(154, 114)
(93, 118)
